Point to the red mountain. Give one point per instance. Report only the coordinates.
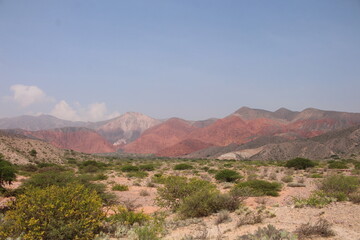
(179, 137)
(78, 139)
(161, 136)
(182, 148)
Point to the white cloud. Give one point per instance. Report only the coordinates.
(96, 111)
(27, 95)
(93, 112)
(64, 111)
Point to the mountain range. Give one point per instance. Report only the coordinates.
(245, 134)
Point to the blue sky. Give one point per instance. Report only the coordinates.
(92, 60)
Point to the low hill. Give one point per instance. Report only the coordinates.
(344, 142)
(17, 149)
(77, 139)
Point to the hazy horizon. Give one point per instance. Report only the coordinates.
(94, 60)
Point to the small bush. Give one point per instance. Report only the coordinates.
(91, 166)
(124, 216)
(49, 178)
(316, 175)
(338, 165)
(267, 233)
(7, 172)
(150, 230)
(223, 216)
(158, 178)
(258, 188)
(316, 199)
(183, 166)
(138, 174)
(56, 178)
(194, 197)
(339, 186)
(249, 218)
(205, 202)
(355, 197)
(144, 193)
(147, 167)
(28, 168)
(100, 177)
(321, 228)
(120, 187)
(287, 179)
(130, 168)
(33, 153)
(300, 163)
(357, 165)
(176, 189)
(227, 175)
(70, 212)
(296, 185)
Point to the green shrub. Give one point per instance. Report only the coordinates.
(176, 188)
(212, 171)
(227, 175)
(339, 186)
(257, 188)
(296, 185)
(316, 175)
(7, 172)
(120, 187)
(321, 228)
(158, 178)
(300, 163)
(194, 197)
(90, 169)
(124, 216)
(91, 166)
(49, 178)
(287, 179)
(56, 178)
(147, 167)
(205, 202)
(317, 199)
(70, 212)
(183, 166)
(30, 168)
(269, 233)
(100, 177)
(228, 165)
(33, 152)
(130, 168)
(355, 197)
(357, 165)
(71, 160)
(93, 163)
(151, 229)
(338, 165)
(139, 174)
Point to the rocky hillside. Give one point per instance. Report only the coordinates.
(345, 143)
(161, 136)
(77, 139)
(244, 125)
(126, 128)
(18, 149)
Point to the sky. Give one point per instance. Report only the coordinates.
(92, 60)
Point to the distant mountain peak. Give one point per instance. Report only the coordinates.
(247, 113)
(282, 109)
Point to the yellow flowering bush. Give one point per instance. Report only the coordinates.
(70, 212)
